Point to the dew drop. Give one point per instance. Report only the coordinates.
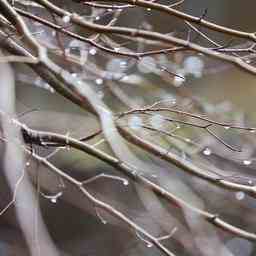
(240, 195)
(66, 18)
(126, 182)
(53, 198)
(247, 162)
(99, 81)
(93, 51)
(178, 80)
(194, 65)
(99, 215)
(149, 245)
(123, 64)
(207, 152)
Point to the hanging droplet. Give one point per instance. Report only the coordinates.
(93, 51)
(66, 18)
(103, 221)
(53, 198)
(126, 182)
(99, 81)
(123, 64)
(178, 80)
(140, 236)
(207, 152)
(253, 130)
(240, 195)
(247, 162)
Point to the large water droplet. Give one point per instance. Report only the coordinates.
(66, 19)
(240, 195)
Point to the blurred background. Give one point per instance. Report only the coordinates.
(223, 92)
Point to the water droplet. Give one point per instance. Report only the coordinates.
(226, 127)
(135, 122)
(194, 65)
(53, 198)
(99, 81)
(240, 195)
(207, 152)
(66, 18)
(247, 162)
(178, 80)
(253, 130)
(97, 17)
(27, 163)
(141, 237)
(98, 213)
(126, 182)
(93, 51)
(123, 64)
